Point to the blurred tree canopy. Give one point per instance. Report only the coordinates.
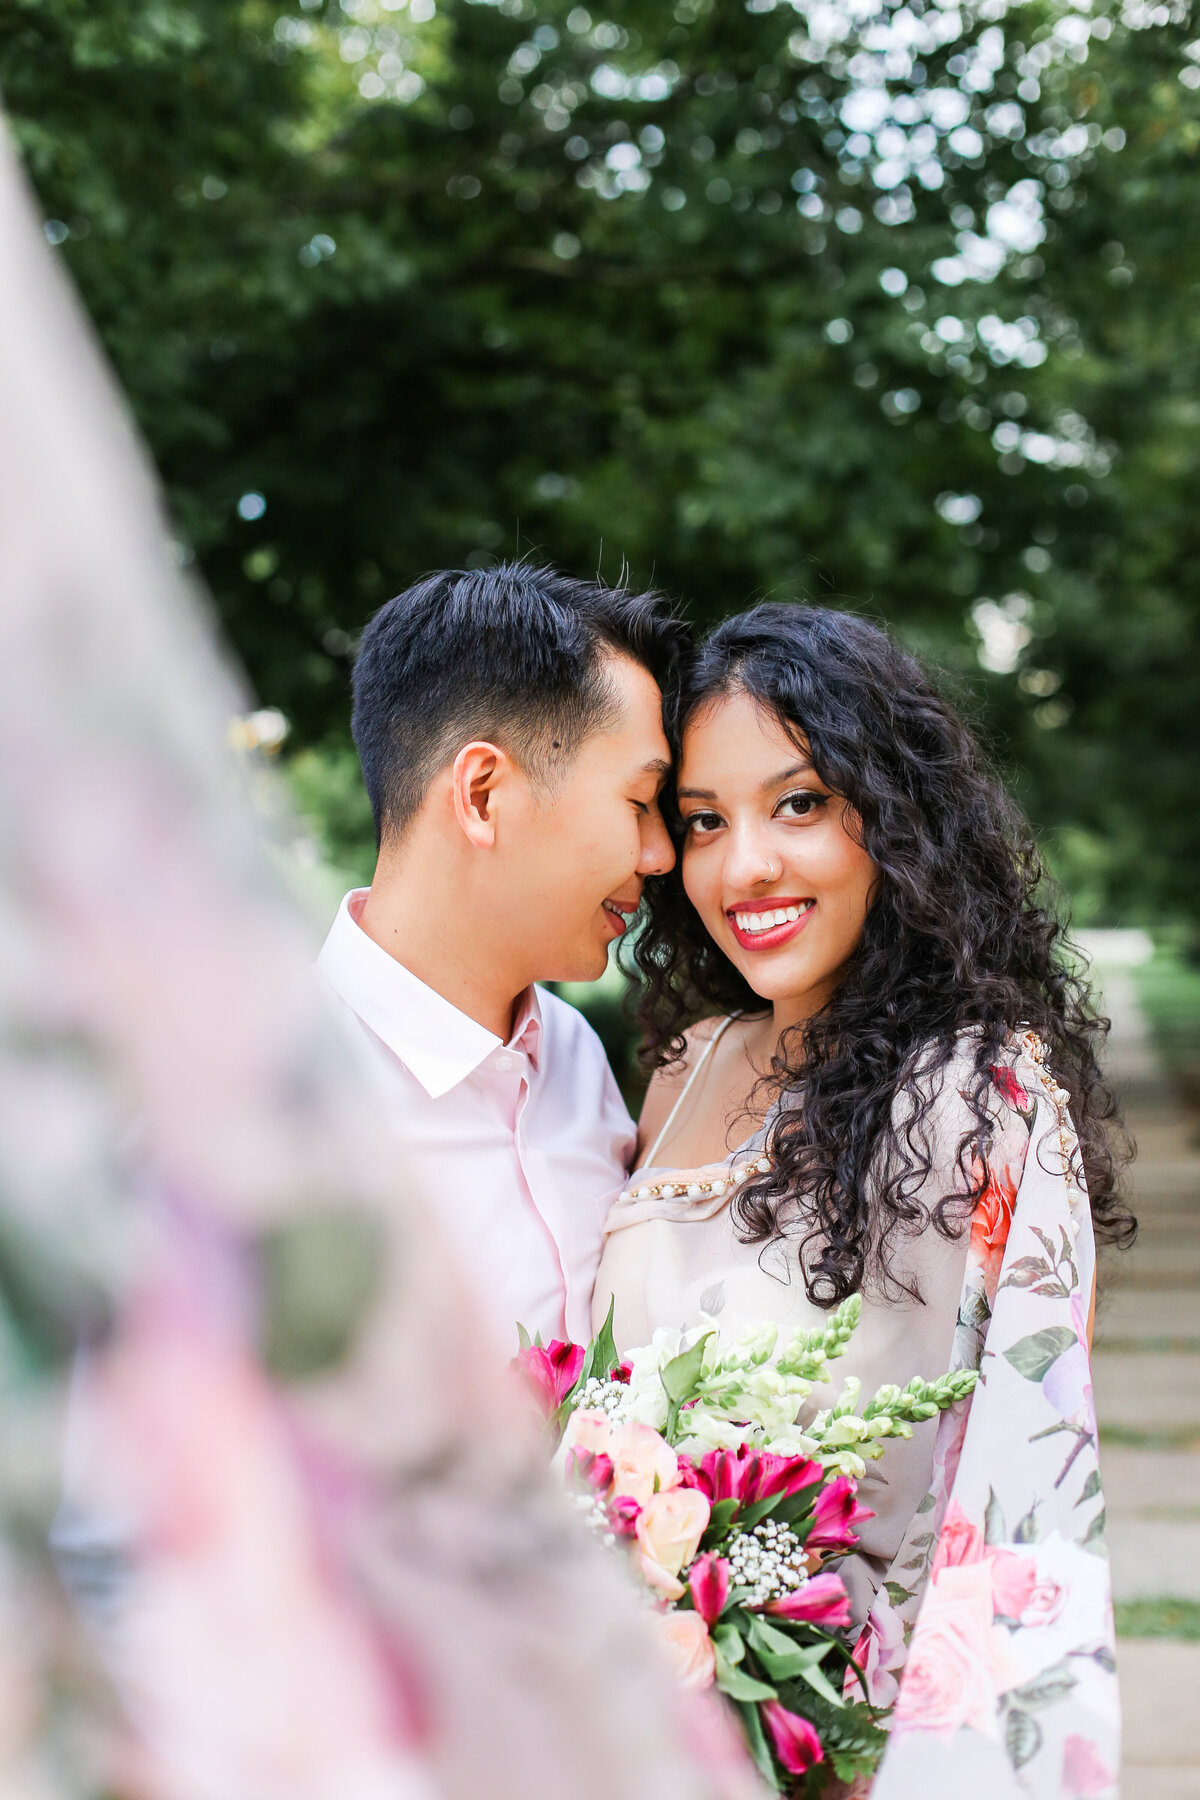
(892, 305)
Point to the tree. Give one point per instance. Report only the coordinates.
(748, 299)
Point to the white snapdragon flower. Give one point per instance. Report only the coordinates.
(705, 1432)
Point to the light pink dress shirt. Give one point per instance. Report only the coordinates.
(523, 1145)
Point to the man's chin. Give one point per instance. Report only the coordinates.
(585, 964)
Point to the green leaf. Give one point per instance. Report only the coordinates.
(730, 1642)
(1091, 1487)
(817, 1678)
(605, 1353)
(680, 1375)
(993, 1521)
(1031, 1356)
(1096, 1529)
(1027, 1529)
(781, 1656)
(1022, 1738)
(1046, 1689)
(757, 1739)
(524, 1341)
(737, 1684)
(927, 1504)
(720, 1520)
(899, 1596)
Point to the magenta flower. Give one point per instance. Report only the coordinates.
(551, 1372)
(823, 1600)
(835, 1515)
(623, 1515)
(796, 1743)
(709, 1584)
(748, 1476)
(592, 1467)
(1011, 1088)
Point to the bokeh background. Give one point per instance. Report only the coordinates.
(890, 306)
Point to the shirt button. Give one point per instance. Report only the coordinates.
(504, 1062)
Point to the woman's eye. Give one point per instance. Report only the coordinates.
(802, 805)
(703, 821)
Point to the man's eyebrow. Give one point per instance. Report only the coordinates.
(656, 766)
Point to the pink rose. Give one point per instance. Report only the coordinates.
(670, 1526)
(796, 1743)
(1044, 1603)
(643, 1462)
(879, 1653)
(958, 1664)
(1014, 1578)
(684, 1637)
(1083, 1773)
(959, 1541)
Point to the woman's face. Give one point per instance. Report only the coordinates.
(769, 863)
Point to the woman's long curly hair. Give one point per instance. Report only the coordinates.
(957, 939)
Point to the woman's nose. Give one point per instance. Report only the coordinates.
(748, 861)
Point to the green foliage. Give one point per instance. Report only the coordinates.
(690, 290)
(1168, 987)
(1178, 1619)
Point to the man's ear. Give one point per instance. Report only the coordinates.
(477, 771)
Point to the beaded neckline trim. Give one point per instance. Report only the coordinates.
(712, 1186)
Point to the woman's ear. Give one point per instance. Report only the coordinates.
(478, 769)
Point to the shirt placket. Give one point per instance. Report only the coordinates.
(513, 1064)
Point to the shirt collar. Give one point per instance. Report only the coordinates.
(436, 1042)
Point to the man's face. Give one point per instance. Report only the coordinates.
(577, 867)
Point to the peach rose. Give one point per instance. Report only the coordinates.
(589, 1431)
(643, 1462)
(670, 1526)
(684, 1636)
(668, 1586)
(959, 1662)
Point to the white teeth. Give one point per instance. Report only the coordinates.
(755, 922)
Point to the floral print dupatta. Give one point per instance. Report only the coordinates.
(993, 1632)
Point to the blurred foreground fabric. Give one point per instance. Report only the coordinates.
(312, 1535)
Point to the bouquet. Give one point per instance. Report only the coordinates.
(685, 1457)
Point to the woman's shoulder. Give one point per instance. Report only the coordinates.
(948, 1083)
(670, 1079)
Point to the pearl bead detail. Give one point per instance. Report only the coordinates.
(715, 1186)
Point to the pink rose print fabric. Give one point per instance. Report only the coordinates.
(993, 1632)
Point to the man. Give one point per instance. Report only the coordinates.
(509, 726)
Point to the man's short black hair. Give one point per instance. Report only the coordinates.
(512, 654)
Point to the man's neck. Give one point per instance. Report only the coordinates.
(448, 953)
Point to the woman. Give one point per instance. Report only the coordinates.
(859, 1012)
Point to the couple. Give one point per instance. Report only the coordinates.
(857, 1012)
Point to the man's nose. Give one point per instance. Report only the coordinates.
(658, 852)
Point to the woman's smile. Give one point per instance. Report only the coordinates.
(767, 924)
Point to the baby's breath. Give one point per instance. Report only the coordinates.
(768, 1560)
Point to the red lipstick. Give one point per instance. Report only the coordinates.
(763, 936)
